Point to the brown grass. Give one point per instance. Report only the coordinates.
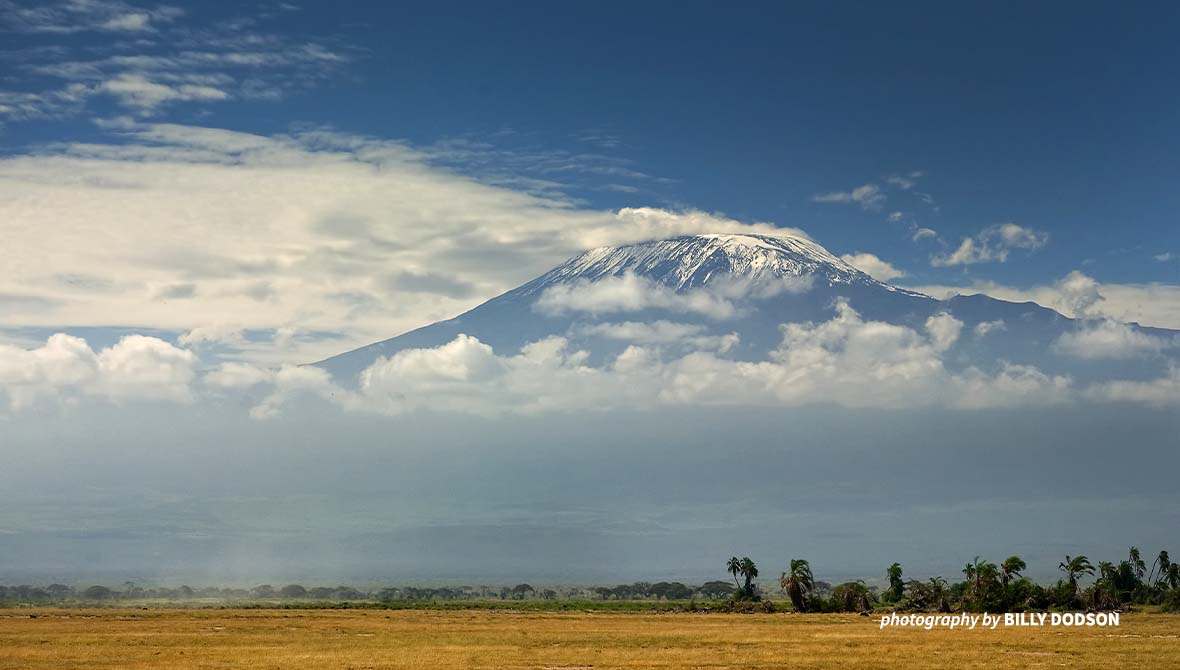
(257, 639)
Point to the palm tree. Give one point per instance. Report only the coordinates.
(1075, 567)
(1172, 576)
(978, 572)
(1013, 565)
(734, 566)
(749, 571)
(938, 587)
(798, 583)
(1163, 562)
(896, 586)
(1136, 562)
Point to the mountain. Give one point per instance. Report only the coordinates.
(715, 284)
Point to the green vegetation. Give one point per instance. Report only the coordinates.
(986, 586)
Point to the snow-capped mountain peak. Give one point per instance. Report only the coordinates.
(694, 261)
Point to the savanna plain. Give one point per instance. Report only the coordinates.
(68, 639)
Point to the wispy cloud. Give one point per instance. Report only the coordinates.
(993, 244)
(867, 196)
(178, 61)
(74, 16)
(317, 231)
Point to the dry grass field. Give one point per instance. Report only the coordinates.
(371, 640)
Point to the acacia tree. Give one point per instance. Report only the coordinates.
(798, 584)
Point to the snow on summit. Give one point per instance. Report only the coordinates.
(696, 260)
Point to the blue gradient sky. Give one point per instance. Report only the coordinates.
(1059, 117)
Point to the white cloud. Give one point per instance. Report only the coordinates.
(299, 231)
(1077, 295)
(868, 196)
(73, 16)
(65, 368)
(904, 182)
(662, 332)
(984, 327)
(234, 375)
(993, 244)
(212, 334)
(1160, 392)
(1108, 339)
(158, 61)
(923, 233)
(877, 268)
(137, 91)
(1166, 256)
(845, 361)
(631, 293)
(944, 330)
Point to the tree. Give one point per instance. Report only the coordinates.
(1172, 576)
(97, 593)
(1162, 562)
(716, 590)
(1136, 562)
(749, 572)
(896, 585)
(1074, 568)
(734, 566)
(1013, 565)
(521, 591)
(293, 591)
(798, 584)
(852, 597)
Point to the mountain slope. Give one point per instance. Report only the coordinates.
(712, 285)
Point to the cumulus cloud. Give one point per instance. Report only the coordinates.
(1109, 339)
(846, 361)
(867, 196)
(993, 244)
(878, 269)
(65, 368)
(1078, 295)
(944, 330)
(1163, 391)
(984, 327)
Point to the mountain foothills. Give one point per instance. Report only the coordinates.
(734, 294)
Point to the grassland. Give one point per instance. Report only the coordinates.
(376, 639)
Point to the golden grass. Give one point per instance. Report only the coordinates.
(371, 640)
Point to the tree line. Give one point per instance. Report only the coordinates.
(985, 587)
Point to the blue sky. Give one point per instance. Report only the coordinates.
(1059, 117)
